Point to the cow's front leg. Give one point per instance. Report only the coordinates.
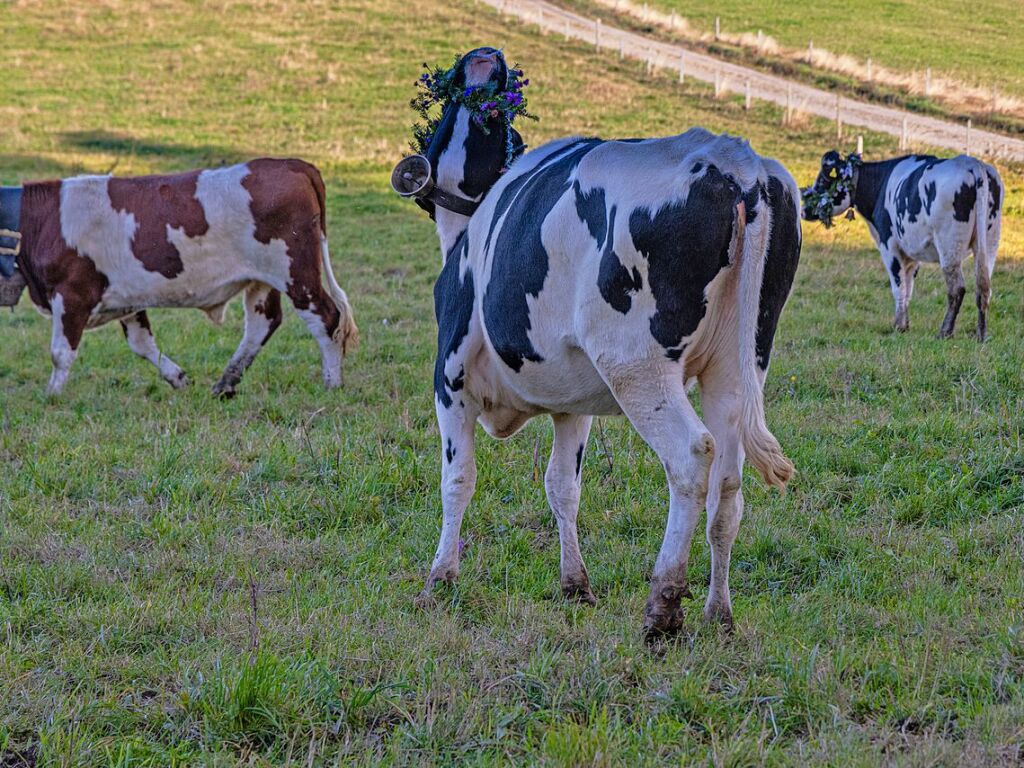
(141, 341)
(69, 320)
(456, 422)
(262, 318)
(897, 283)
(562, 484)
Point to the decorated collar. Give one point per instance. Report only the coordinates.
(484, 102)
(842, 181)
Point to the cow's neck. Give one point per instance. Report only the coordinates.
(870, 187)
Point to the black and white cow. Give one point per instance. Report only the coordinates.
(921, 208)
(599, 277)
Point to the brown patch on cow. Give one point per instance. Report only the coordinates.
(157, 203)
(270, 308)
(287, 203)
(51, 266)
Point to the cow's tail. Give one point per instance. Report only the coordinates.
(347, 334)
(982, 266)
(760, 445)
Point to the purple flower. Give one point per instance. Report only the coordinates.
(469, 91)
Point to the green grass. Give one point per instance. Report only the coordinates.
(185, 581)
(974, 42)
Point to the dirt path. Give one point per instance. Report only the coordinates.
(734, 78)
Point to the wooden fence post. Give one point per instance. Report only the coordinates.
(746, 99)
(869, 69)
(903, 136)
(567, 30)
(839, 119)
(789, 105)
(597, 34)
(860, 145)
(967, 140)
(718, 27)
(928, 81)
(718, 83)
(682, 66)
(810, 52)
(622, 48)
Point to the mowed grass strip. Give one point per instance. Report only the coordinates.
(186, 581)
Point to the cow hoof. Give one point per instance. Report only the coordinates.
(424, 601)
(223, 391)
(178, 381)
(661, 627)
(579, 591)
(719, 614)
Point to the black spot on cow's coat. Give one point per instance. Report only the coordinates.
(995, 195)
(964, 200)
(779, 267)
(591, 209)
(929, 197)
(908, 196)
(894, 268)
(615, 282)
(449, 451)
(453, 307)
(579, 459)
(519, 262)
(686, 243)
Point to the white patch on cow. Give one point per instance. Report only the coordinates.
(450, 174)
(216, 265)
(61, 352)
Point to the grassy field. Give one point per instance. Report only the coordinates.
(974, 42)
(185, 581)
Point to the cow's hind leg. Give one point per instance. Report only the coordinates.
(456, 422)
(141, 341)
(955, 290)
(69, 321)
(262, 318)
(321, 316)
(562, 483)
(652, 396)
(722, 408)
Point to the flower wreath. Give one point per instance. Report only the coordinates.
(437, 86)
(841, 180)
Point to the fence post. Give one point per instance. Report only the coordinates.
(682, 66)
(718, 27)
(992, 110)
(860, 145)
(869, 69)
(760, 40)
(967, 140)
(928, 81)
(789, 105)
(622, 49)
(672, 21)
(567, 30)
(597, 34)
(839, 120)
(746, 99)
(810, 52)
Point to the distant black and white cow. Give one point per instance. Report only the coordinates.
(97, 248)
(919, 208)
(599, 277)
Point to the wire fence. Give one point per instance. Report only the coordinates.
(793, 97)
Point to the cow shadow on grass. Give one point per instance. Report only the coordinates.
(167, 154)
(17, 169)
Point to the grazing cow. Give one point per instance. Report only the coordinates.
(599, 277)
(919, 208)
(97, 248)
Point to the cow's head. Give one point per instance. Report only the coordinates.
(465, 149)
(832, 192)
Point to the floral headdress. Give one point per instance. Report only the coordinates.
(437, 86)
(841, 182)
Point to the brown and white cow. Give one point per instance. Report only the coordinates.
(98, 248)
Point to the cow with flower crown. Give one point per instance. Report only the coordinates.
(590, 277)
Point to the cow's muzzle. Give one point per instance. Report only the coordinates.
(412, 177)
